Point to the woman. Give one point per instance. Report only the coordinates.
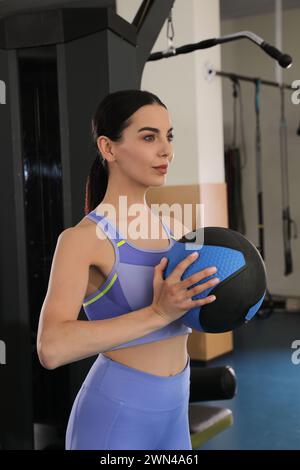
(136, 394)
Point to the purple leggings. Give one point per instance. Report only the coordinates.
(119, 407)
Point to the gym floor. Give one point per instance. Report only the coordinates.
(266, 408)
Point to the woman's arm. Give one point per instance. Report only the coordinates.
(62, 338)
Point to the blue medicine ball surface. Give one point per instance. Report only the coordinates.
(241, 271)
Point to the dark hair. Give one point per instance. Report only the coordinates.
(110, 119)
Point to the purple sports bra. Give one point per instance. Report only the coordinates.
(129, 286)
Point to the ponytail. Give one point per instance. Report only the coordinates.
(96, 184)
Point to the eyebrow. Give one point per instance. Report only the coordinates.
(153, 129)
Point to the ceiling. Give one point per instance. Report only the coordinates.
(8, 7)
(238, 8)
(228, 8)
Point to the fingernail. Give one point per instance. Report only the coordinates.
(195, 254)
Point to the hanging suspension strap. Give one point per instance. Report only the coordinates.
(267, 306)
(287, 221)
(233, 173)
(259, 186)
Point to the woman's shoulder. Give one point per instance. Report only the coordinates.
(82, 235)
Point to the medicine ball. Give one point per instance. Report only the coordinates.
(241, 271)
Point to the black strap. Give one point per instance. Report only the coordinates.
(233, 174)
(259, 185)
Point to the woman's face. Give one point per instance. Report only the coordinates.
(141, 150)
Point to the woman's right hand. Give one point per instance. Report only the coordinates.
(171, 296)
